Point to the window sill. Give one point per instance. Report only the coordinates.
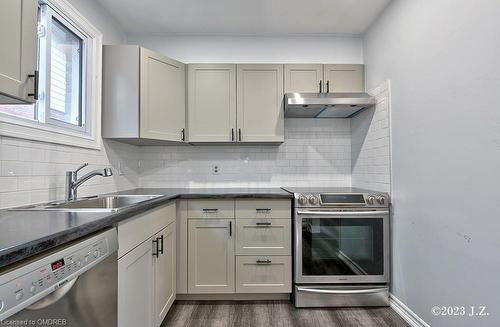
(17, 128)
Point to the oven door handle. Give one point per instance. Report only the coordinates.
(343, 213)
(362, 291)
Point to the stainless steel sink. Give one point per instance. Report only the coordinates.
(109, 203)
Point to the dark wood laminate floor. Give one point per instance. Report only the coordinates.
(275, 313)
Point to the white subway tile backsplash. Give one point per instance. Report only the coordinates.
(8, 184)
(370, 135)
(33, 172)
(315, 152)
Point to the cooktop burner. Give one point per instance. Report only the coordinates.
(337, 197)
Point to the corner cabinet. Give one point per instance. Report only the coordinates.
(143, 96)
(147, 267)
(18, 39)
(330, 78)
(235, 103)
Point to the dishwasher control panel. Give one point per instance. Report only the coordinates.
(31, 282)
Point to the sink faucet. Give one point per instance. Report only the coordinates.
(73, 182)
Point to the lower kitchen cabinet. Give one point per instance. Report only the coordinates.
(263, 274)
(231, 246)
(135, 287)
(210, 256)
(164, 273)
(147, 268)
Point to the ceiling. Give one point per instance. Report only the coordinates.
(245, 17)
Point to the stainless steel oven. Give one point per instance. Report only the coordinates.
(341, 247)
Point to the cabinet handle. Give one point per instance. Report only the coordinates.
(232, 134)
(35, 85)
(239, 134)
(328, 86)
(230, 228)
(263, 224)
(320, 86)
(263, 262)
(155, 247)
(210, 210)
(160, 251)
(183, 134)
(263, 209)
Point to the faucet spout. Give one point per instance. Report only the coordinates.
(73, 182)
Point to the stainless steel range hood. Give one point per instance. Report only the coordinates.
(326, 105)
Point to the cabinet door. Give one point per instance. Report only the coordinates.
(303, 78)
(164, 271)
(162, 97)
(260, 103)
(18, 39)
(345, 78)
(212, 103)
(211, 256)
(135, 287)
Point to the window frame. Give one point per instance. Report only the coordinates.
(52, 130)
(49, 14)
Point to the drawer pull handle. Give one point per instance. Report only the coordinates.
(263, 210)
(263, 262)
(210, 210)
(263, 224)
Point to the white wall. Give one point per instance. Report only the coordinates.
(100, 18)
(316, 152)
(442, 59)
(251, 49)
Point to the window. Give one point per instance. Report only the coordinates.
(62, 65)
(68, 59)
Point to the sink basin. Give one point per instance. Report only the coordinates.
(109, 203)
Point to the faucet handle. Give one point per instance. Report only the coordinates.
(81, 167)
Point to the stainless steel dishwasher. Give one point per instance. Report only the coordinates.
(72, 285)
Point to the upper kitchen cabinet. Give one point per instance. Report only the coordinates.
(313, 78)
(211, 102)
(260, 103)
(18, 39)
(344, 78)
(143, 96)
(303, 78)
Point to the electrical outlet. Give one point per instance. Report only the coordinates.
(215, 169)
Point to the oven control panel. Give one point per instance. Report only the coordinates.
(342, 200)
(29, 283)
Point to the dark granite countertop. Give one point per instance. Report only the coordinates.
(26, 233)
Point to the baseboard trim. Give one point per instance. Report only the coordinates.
(406, 313)
(232, 297)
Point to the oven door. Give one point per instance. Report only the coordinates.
(341, 246)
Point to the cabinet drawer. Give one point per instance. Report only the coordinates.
(262, 208)
(137, 229)
(200, 209)
(263, 274)
(263, 236)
